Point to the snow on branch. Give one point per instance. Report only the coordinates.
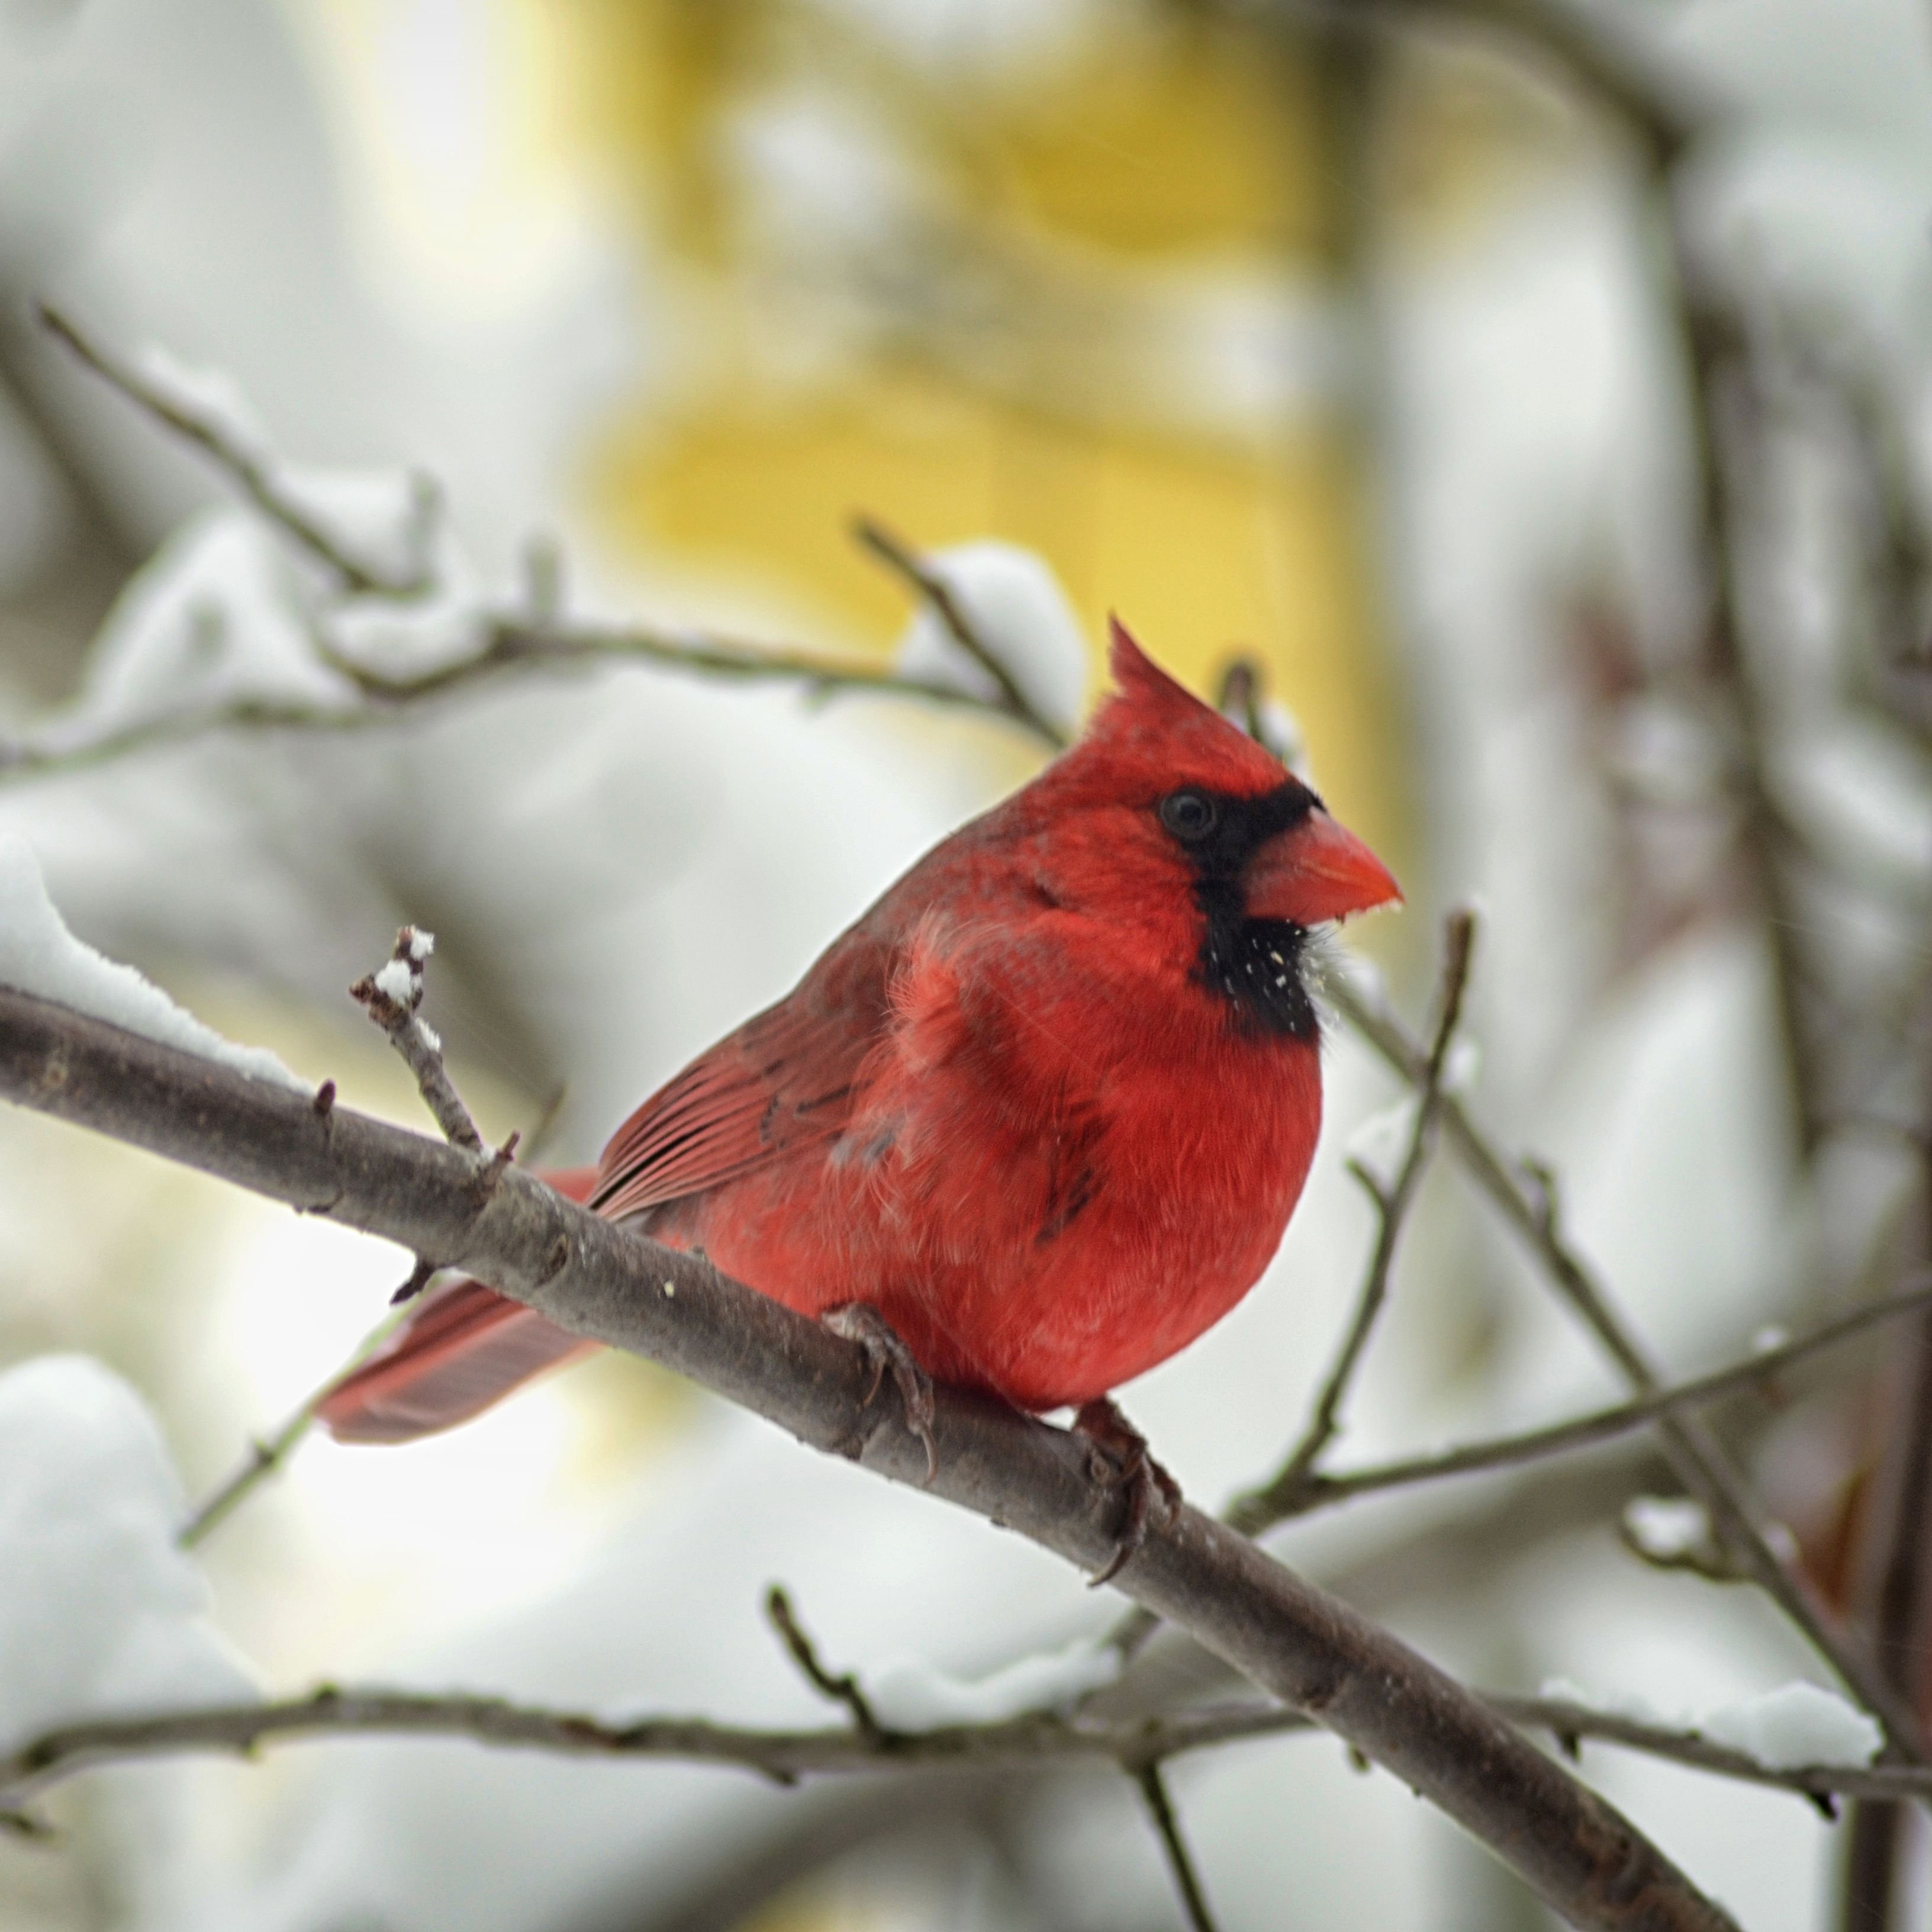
(221, 631)
(1293, 1641)
(38, 955)
(103, 1616)
(372, 532)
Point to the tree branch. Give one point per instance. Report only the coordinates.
(541, 639)
(1294, 1641)
(1319, 1491)
(1701, 1462)
(840, 1690)
(898, 555)
(392, 996)
(255, 478)
(787, 1756)
(1280, 1495)
(267, 1454)
(1180, 1860)
(511, 646)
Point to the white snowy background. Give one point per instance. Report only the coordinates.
(620, 866)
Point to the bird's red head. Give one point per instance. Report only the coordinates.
(1168, 819)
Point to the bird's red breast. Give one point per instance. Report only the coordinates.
(1049, 1105)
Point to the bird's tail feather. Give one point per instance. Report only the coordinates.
(463, 1348)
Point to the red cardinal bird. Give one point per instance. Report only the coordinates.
(1046, 1108)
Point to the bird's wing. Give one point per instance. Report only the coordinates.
(466, 1348)
(463, 1347)
(787, 1078)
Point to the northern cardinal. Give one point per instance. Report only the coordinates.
(1045, 1107)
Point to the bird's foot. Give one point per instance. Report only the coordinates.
(859, 1321)
(1120, 1459)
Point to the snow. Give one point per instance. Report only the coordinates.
(1016, 607)
(1794, 1727)
(102, 1612)
(383, 520)
(1667, 1528)
(396, 979)
(1462, 1066)
(421, 944)
(39, 955)
(403, 638)
(215, 618)
(1631, 1705)
(911, 1696)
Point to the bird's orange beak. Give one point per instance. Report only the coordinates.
(1317, 871)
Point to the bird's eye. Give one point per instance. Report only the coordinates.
(1189, 815)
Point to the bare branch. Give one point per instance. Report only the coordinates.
(1167, 1827)
(255, 479)
(1294, 1642)
(843, 1690)
(1702, 1463)
(1320, 1491)
(786, 1757)
(1280, 1495)
(900, 556)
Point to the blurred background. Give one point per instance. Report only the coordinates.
(1539, 393)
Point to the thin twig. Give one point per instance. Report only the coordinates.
(1701, 1462)
(392, 996)
(840, 1690)
(268, 1455)
(1279, 1496)
(508, 646)
(1321, 1491)
(786, 1756)
(1167, 1827)
(255, 478)
(895, 551)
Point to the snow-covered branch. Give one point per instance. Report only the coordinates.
(220, 634)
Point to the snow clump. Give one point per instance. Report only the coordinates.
(102, 1614)
(1017, 609)
(915, 1696)
(39, 955)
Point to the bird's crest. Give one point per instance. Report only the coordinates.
(1149, 717)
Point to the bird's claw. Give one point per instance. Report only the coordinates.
(1120, 1459)
(859, 1321)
